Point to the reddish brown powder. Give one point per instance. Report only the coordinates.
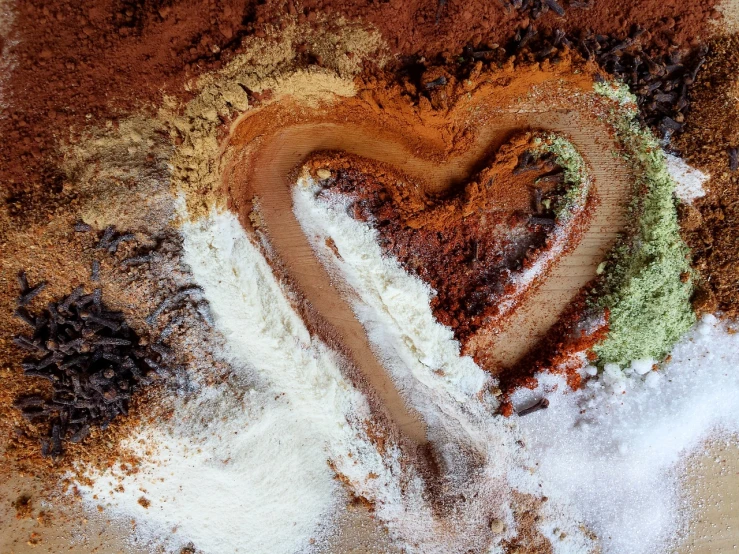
(429, 27)
(105, 58)
(468, 245)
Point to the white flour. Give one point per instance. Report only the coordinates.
(216, 467)
(231, 475)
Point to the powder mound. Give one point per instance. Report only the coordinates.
(473, 244)
(711, 144)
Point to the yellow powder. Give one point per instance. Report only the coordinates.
(267, 65)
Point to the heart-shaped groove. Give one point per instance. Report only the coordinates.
(438, 151)
(480, 247)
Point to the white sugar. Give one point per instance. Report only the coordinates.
(688, 180)
(612, 455)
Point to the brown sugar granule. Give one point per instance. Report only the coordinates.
(711, 132)
(23, 506)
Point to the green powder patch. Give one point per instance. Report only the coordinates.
(647, 280)
(576, 178)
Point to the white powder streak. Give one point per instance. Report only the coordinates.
(210, 479)
(616, 464)
(688, 180)
(322, 419)
(260, 326)
(399, 303)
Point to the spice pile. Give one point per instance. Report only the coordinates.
(92, 359)
(710, 143)
(469, 246)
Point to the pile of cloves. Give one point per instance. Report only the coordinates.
(660, 82)
(92, 358)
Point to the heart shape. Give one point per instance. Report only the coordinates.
(482, 246)
(439, 148)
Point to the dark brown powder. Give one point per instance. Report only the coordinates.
(107, 58)
(712, 131)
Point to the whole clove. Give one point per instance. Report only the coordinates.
(29, 401)
(95, 271)
(203, 308)
(171, 326)
(30, 293)
(136, 260)
(164, 351)
(115, 242)
(733, 158)
(537, 206)
(69, 300)
(108, 234)
(25, 317)
(173, 302)
(540, 405)
(22, 281)
(555, 7)
(436, 83)
(27, 344)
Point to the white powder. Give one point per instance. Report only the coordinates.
(423, 358)
(399, 303)
(613, 455)
(688, 180)
(243, 467)
(262, 329)
(232, 475)
(222, 463)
